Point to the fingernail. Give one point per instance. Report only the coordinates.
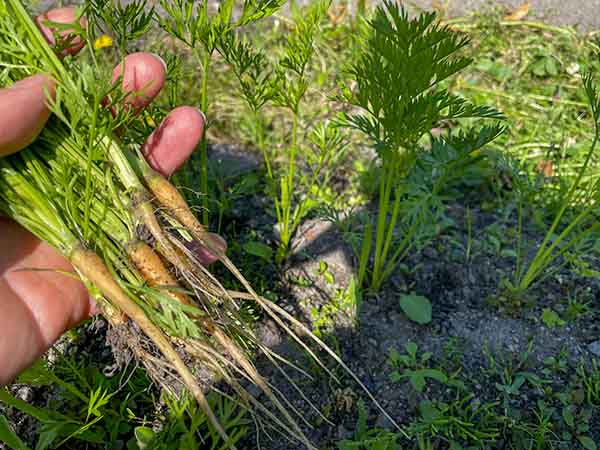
(161, 60)
(203, 254)
(204, 119)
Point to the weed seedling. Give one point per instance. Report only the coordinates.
(413, 367)
(369, 438)
(463, 419)
(100, 410)
(590, 380)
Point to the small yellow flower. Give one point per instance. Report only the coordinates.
(150, 121)
(103, 41)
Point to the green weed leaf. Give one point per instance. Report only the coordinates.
(435, 374)
(417, 380)
(551, 319)
(591, 91)
(9, 437)
(361, 425)
(40, 414)
(259, 249)
(587, 442)
(417, 308)
(568, 416)
(143, 437)
(37, 375)
(411, 349)
(429, 411)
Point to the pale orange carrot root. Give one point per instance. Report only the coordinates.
(91, 266)
(144, 211)
(154, 271)
(169, 197)
(156, 274)
(115, 317)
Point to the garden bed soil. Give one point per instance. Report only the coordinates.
(464, 320)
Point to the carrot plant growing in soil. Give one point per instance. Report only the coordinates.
(95, 409)
(581, 196)
(397, 82)
(127, 231)
(296, 184)
(205, 33)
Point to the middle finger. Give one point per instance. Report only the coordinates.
(143, 76)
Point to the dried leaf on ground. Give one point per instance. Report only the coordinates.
(519, 12)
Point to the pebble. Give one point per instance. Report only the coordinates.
(594, 347)
(276, 231)
(25, 393)
(430, 253)
(269, 335)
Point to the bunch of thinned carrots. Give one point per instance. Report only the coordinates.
(128, 233)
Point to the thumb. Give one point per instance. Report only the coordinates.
(23, 112)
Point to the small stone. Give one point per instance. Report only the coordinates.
(276, 231)
(430, 253)
(269, 335)
(594, 347)
(25, 393)
(309, 232)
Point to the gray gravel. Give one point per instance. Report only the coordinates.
(582, 14)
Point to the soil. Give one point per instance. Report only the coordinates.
(459, 291)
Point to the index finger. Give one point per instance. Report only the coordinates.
(23, 108)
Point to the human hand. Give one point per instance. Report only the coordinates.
(38, 306)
